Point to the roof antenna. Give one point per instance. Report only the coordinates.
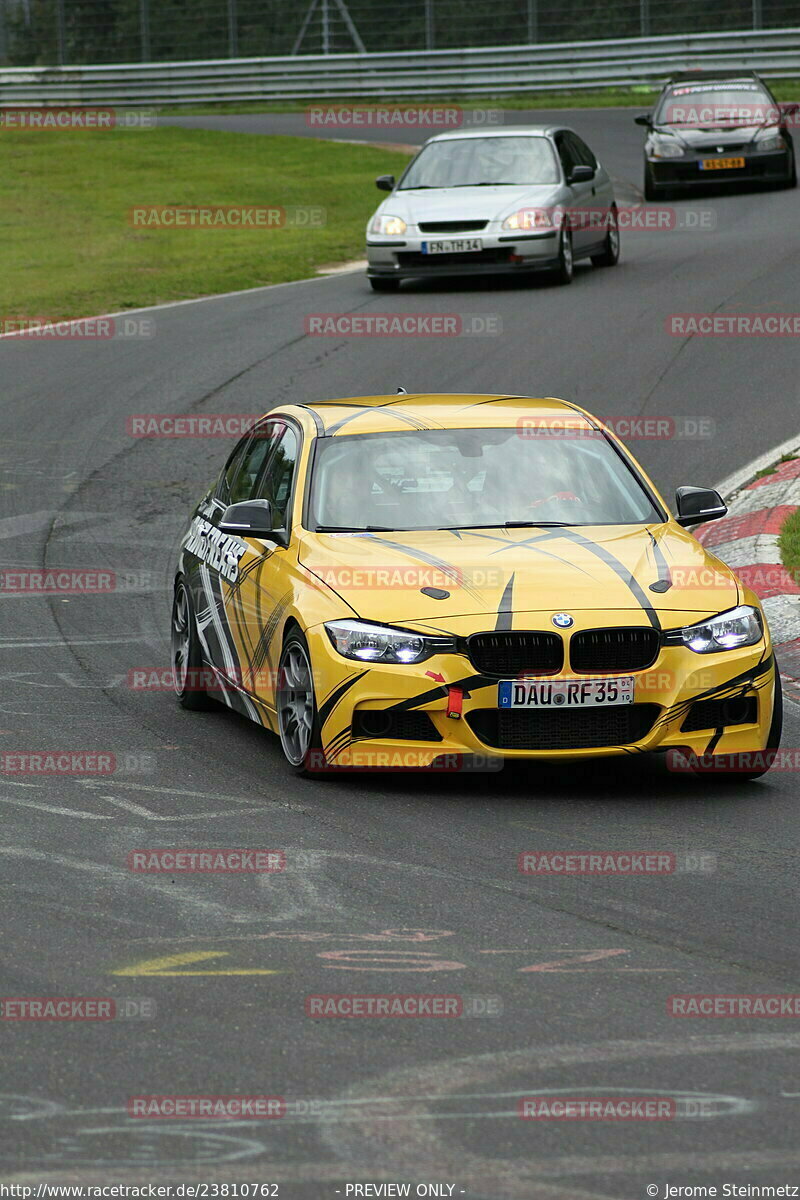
(401, 392)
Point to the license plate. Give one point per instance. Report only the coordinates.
(453, 246)
(564, 693)
(720, 164)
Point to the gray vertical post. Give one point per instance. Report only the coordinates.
(644, 17)
(233, 30)
(430, 32)
(3, 46)
(326, 28)
(144, 29)
(62, 33)
(758, 14)
(533, 22)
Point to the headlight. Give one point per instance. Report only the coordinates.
(384, 223)
(382, 643)
(740, 627)
(665, 149)
(773, 143)
(529, 218)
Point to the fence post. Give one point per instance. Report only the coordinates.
(644, 17)
(144, 29)
(62, 33)
(233, 30)
(430, 36)
(758, 14)
(533, 22)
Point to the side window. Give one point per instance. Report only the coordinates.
(228, 476)
(255, 455)
(584, 154)
(275, 484)
(565, 153)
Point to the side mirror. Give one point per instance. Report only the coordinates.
(648, 124)
(696, 504)
(385, 183)
(581, 175)
(251, 518)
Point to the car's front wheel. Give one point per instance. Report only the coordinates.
(187, 660)
(384, 285)
(566, 262)
(298, 719)
(609, 255)
(723, 769)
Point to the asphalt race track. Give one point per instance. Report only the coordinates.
(407, 885)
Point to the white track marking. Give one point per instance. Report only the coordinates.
(53, 808)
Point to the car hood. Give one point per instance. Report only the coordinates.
(708, 137)
(381, 575)
(469, 203)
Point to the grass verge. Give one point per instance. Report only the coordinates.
(69, 249)
(789, 543)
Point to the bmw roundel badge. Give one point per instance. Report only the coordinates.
(563, 620)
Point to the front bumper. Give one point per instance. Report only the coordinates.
(502, 253)
(686, 173)
(396, 717)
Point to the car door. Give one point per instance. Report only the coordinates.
(267, 573)
(581, 199)
(212, 559)
(602, 188)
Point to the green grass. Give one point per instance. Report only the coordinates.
(789, 543)
(68, 249)
(771, 470)
(635, 96)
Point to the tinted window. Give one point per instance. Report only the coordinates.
(566, 153)
(464, 162)
(255, 456)
(717, 105)
(228, 476)
(456, 478)
(582, 152)
(276, 483)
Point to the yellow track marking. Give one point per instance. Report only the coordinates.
(161, 966)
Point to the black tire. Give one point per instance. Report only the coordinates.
(564, 272)
(609, 255)
(384, 285)
(715, 769)
(304, 755)
(187, 658)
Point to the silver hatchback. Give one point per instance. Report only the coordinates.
(501, 202)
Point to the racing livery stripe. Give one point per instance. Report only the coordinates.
(432, 560)
(664, 581)
(505, 613)
(333, 699)
(619, 568)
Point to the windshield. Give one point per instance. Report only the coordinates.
(465, 162)
(717, 105)
(461, 478)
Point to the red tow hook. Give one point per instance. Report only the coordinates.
(455, 703)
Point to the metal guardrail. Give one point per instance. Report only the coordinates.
(488, 71)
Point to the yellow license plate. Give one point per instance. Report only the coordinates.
(720, 164)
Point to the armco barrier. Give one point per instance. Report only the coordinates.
(774, 53)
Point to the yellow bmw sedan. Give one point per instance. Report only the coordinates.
(432, 581)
